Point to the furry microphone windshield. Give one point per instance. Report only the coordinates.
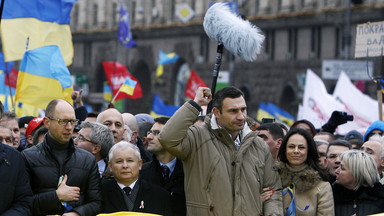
(238, 36)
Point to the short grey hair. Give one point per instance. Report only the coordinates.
(8, 115)
(362, 166)
(380, 139)
(101, 135)
(123, 145)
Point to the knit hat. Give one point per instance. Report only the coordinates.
(353, 134)
(143, 117)
(32, 125)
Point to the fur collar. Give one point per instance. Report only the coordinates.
(303, 178)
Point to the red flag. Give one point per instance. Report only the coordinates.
(194, 83)
(12, 78)
(116, 75)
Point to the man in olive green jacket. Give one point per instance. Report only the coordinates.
(226, 164)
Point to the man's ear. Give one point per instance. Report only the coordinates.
(46, 122)
(279, 141)
(30, 138)
(216, 111)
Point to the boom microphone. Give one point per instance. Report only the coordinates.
(239, 36)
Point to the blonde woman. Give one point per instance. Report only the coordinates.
(357, 190)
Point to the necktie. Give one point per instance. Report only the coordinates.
(127, 190)
(166, 172)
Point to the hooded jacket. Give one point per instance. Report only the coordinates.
(220, 179)
(312, 196)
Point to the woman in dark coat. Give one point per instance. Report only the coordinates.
(357, 190)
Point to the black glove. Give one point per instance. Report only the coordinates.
(337, 118)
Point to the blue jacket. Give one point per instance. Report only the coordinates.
(377, 125)
(15, 191)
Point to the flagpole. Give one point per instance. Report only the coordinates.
(113, 100)
(1, 9)
(9, 86)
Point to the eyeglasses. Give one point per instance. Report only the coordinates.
(81, 138)
(64, 122)
(154, 132)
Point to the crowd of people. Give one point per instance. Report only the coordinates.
(71, 162)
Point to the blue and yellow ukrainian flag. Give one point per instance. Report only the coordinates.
(165, 59)
(160, 109)
(43, 76)
(107, 92)
(128, 86)
(264, 112)
(281, 115)
(43, 22)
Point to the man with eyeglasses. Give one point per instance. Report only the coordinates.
(165, 170)
(334, 150)
(64, 178)
(96, 139)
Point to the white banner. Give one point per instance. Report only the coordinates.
(318, 105)
(363, 108)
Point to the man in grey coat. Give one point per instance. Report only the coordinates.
(226, 164)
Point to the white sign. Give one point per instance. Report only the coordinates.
(369, 40)
(223, 77)
(356, 70)
(184, 12)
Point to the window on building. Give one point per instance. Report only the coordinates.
(257, 6)
(173, 10)
(302, 3)
(315, 42)
(292, 43)
(193, 4)
(87, 53)
(204, 48)
(269, 44)
(133, 12)
(75, 16)
(95, 8)
(279, 5)
(115, 13)
(338, 42)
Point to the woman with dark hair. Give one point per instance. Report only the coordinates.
(305, 191)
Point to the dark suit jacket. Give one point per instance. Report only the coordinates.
(156, 200)
(152, 172)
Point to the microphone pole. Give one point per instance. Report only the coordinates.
(215, 74)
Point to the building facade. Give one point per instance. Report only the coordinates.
(300, 34)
